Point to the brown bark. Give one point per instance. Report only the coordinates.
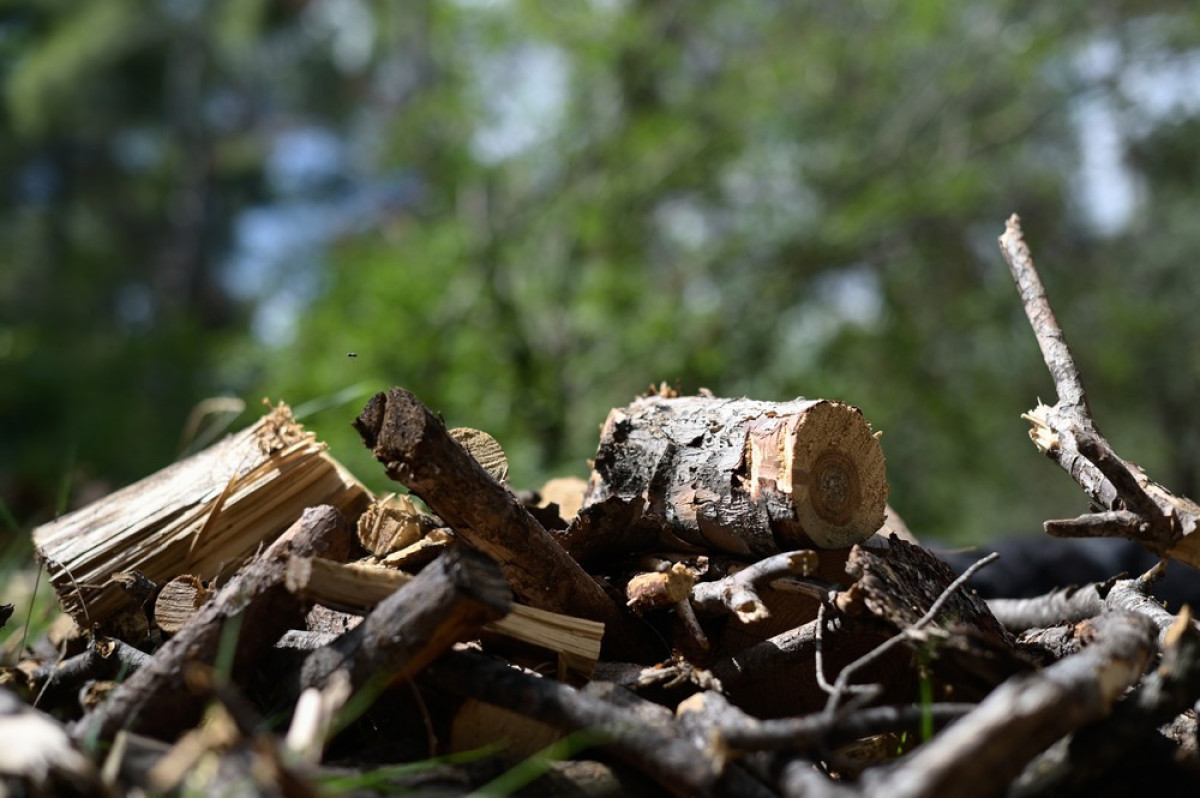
(980, 753)
(417, 451)
(155, 700)
(733, 475)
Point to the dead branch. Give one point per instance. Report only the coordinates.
(1131, 504)
(1172, 688)
(155, 700)
(418, 452)
(738, 593)
(638, 732)
(1027, 713)
(725, 730)
(1071, 605)
(450, 600)
(104, 658)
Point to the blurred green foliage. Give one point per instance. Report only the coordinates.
(565, 202)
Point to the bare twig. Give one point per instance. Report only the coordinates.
(738, 593)
(1163, 523)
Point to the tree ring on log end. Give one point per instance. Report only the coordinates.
(839, 481)
(834, 489)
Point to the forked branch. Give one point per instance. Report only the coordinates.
(1132, 504)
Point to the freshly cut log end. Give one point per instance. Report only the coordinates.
(742, 476)
(833, 466)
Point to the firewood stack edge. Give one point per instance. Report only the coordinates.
(727, 606)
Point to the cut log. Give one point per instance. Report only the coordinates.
(393, 523)
(178, 601)
(736, 475)
(202, 515)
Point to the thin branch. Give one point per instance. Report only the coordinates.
(1113, 524)
(739, 592)
(1049, 335)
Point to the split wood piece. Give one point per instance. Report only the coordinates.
(984, 750)
(738, 592)
(154, 700)
(449, 601)
(635, 730)
(416, 556)
(971, 650)
(739, 476)
(392, 523)
(202, 515)
(416, 450)
(1172, 688)
(1131, 504)
(356, 588)
(178, 601)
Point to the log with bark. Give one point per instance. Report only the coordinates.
(702, 473)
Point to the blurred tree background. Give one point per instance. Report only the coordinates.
(527, 212)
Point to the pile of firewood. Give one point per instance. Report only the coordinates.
(726, 607)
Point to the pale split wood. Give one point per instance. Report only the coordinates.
(392, 523)
(203, 515)
(358, 587)
(178, 601)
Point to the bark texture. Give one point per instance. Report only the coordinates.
(740, 476)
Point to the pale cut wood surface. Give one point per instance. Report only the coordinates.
(354, 586)
(203, 515)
